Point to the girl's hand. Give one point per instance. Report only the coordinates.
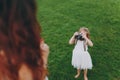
(72, 39)
(76, 33)
(84, 36)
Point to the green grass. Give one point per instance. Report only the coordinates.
(61, 18)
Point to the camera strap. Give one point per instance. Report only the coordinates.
(84, 44)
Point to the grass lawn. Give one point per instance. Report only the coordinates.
(61, 18)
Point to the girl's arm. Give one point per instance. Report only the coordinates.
(89, 42)
(72, 39)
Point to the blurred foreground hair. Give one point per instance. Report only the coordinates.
(19, 39)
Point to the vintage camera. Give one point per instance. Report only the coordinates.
(79, 37)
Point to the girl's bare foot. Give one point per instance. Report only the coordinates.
(77, 75)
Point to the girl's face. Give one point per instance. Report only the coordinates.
(82, 31)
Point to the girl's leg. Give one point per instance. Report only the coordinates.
(85, 74)
(78, 73)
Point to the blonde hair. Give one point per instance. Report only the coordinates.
(86, 30)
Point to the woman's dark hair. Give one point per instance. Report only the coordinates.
(19, 39)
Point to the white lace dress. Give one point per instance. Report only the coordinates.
(81, 58)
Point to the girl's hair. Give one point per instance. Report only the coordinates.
(19, 39)
(86, 30)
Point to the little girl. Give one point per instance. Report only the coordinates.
(81, 59)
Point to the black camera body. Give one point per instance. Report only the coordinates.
(79, 37)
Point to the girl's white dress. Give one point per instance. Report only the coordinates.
(81, 58)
